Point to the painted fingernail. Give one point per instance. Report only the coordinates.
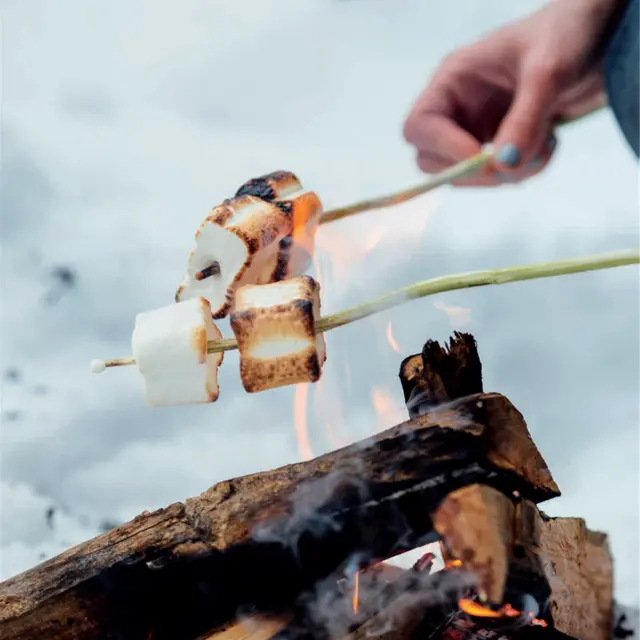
(509, 155)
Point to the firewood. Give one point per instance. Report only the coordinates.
(251, 628)
(441, 374)
(476, 524)
(185, 570)
(579, 568)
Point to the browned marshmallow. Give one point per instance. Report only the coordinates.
(275, 327)
(272, 186)
(284, 189)
(237, 244)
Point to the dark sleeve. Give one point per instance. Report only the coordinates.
(622, 60)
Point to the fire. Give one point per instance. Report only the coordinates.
(391, 339)
(458, 316)
(389, 413)
(300, 420)
(473, 608)
(356, 582)
(507, 611)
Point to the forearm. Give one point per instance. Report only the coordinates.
(621, 73)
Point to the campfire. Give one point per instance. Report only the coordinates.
(306, 551)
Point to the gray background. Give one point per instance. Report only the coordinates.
(124, 122)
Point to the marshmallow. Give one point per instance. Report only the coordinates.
(170, 348)
(272, 186)
(237, 244)
(275, 327)
(296, 250)
(285, 190)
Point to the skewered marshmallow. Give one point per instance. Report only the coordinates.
(285, 190)
(170, 348)
(275, 327)
(237, 244)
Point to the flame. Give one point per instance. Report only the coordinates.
(389, 413)
(391, 339)
(473, 608)
(356, 582)
(300, 420)
(458, 316)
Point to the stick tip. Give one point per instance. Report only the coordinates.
(98, 366)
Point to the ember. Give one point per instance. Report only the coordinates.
(306, 551)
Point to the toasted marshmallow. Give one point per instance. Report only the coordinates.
(237, 244)
(275, 326)
(284, 189)
(170, 348)
(272, 186)
(296, 250)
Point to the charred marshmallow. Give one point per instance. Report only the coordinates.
(170, 348)
(304, 209)
(275, 326)
(237, 244)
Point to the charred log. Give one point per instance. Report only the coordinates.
(186, 570)
(441, 374)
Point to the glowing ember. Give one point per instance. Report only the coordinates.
(477, 610)
(391, 339)
(300, 420)
(458, 316)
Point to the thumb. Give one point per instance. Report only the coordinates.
(526, 127)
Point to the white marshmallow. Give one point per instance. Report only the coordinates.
(241, 236)
(170, 348)
(275, 326)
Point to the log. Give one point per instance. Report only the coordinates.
(183, 571)
(579, 568)
(501, 541)
(476, 523)
(415, 604)
(438, 374)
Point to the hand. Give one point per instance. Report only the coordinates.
(510, 88)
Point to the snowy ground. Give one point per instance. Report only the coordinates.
(124, 122)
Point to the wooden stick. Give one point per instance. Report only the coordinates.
(438, 285)
(463, 169)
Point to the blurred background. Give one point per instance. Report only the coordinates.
(124, 122)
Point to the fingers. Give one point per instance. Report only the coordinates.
(526, 127)
(490, 176)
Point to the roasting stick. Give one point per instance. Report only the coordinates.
(458, 171)
(434, 286)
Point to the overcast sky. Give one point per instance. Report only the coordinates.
(124, 122)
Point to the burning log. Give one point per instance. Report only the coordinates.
(162, 571)
(272, 547)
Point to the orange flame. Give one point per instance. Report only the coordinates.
(458, 316)
(388, 411)
(354, 602)
(391, 339)
(300, 420)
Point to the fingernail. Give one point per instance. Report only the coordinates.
(552, 144)
(509, 155)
